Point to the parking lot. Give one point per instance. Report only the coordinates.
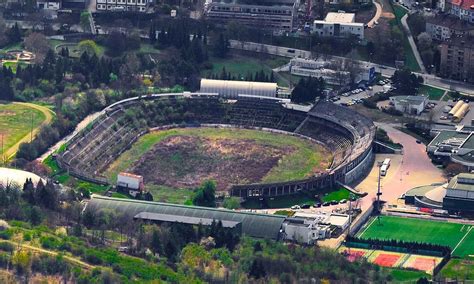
(356, 95)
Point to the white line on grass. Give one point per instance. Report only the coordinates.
(360, 236)
(465, 235)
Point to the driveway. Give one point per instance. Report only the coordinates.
(378, 14)
(412, 168)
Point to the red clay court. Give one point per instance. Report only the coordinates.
(423, 263)
(353, 255)
(387, 260)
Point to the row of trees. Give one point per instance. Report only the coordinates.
(258, 76)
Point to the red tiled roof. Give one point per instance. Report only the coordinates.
(464, 4)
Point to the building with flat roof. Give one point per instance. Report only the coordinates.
(453, 145)
(278, 15)
(122, 5)
(339, 25)
(228, 88)
(409, 104)
(460, 194)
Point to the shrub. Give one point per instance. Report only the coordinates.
(8, 247)
(50, 242)
(6, 234)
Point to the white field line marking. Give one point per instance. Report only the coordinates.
(467, 233)
(360, 236)
(462, 228)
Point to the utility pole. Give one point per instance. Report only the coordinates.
(379, 165)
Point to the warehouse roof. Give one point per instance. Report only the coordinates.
(411, 100)
(241, 87)
(254, 225)
(449, 136)
(182, 219)
(464, 181)
(340, 17)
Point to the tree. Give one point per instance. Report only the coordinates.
(116, 43)
(38, 44)
(424, 41)
(156, 246)
(257, 270)
(88, 46)
(14, 34)
(85, 21)
(221, 46)
(3, 33)
(406, 82)
(205, 194)
(307, 90)
(231, 202)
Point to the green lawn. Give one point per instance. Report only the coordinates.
(169, 195)
(15, 46)
(14, 65)
(435, 232)
(337, 195)
(406, 276)
(240, 66)
(280, 201)
(458, 269)
(16, 121)
(296, 165)
(432, 92)
(410, 60)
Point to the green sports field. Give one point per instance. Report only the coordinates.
(457, 236)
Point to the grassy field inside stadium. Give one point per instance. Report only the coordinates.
(229, 156)
(16, 122)
(457, 236)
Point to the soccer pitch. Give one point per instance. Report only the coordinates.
(457, 236)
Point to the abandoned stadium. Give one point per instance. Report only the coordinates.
(347, 134)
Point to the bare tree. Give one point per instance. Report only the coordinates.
(38, 44)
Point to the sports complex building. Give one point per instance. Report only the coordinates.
(455, 145)
(456, 196)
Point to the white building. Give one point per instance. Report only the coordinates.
(325, 69)
(409, 104)
(48, 5)
(134, 183)
(445, 27)
(309, 227)
(122, 5)
(234, 88)
(339, 25)
(463, 9)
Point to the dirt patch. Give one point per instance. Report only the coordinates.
(186, 161)
(7, 113)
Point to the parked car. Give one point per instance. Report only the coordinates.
(295, 207)
(342, 201)
(334, 202)
(326, 204)
(305, 206)
(317, 205)
(418, 142)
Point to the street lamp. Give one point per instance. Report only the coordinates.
(379, 165)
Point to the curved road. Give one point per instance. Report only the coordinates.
(378, 14)
(49, 114)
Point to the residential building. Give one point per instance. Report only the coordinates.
(339, 25)
(74, 4)
(131, 183)
(463, 9)
(122, 5)
(409, 104)
(48, 5)
(277, 15)
(457, 58)
(443, 27)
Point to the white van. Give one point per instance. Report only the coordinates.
(383, 170)
(386, 162)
